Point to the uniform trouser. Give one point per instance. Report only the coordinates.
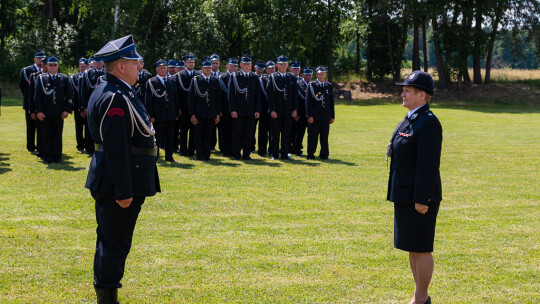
(115, 226)
(165, 136)
(203, 138)
(30, 132)
(187, 140)
(242, 135)
(301, 126)
(318, 129)
(88, 141)
(176, 142)
(281, 126)
(293, 135)
(253, 134)
(213, 142)
(52, 138)
(225, 134)
(264, 134)
(79, 129)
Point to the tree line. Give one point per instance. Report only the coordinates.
(370, 37)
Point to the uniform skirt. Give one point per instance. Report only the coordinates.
(413, 231)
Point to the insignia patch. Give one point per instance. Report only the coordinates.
(404, 134)
(414, 116)
(116, 111)
(131, 94)
(411, 77)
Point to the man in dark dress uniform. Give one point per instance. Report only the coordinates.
(214, 59)
(282, 90)
(24, 81)
(53, 104)
(123, 168)
(225, 125)
(89, 81)
(74, 81)
(171, 67)
(245, 106)
(204, 106)
(300, 121)
(30, 101)
(162, 105)
(183, 80)
(140, 85)
(179, 66)
(320, 113)
(264, 118)
(295, 69)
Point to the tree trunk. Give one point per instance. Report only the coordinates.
(390, 54)
(443, 81)
(329, 32)
(357, 51)
(369, 63)
(477, 76)
(493, 36)
(424, 44)
(416, 47)
(116, 11)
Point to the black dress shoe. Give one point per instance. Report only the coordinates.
(310, 157)
(170, 160)
(285, 158)
(246, 157)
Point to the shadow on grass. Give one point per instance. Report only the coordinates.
(4, 164)
(338, 162)
(65, 165)
(163, 163)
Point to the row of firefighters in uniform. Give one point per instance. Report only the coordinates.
(187, 107)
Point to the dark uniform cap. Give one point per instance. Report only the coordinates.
(120, 48)
(246, 59)
(171, 63)
(232, 61)
(270, 64)
(295, 65)
(260, 65)
(180, 64)
(97, 59)
(419, 79)
(39, 54)
(44, 60)
(52, 59)
(321, 69)
(307, 70)
(282, 58)
(189, 57)
(206, 62)
(83, 60)
(214, 57)
(160, 63)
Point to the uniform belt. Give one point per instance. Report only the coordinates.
(134, 150)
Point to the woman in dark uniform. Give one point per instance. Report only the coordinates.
(415, 183)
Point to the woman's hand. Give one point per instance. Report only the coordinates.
(421, 208)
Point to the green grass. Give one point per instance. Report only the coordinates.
(277, 232)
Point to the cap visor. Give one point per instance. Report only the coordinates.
(132, 55)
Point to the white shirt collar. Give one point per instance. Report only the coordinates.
(282, 75)
(37, 68)
(305, 81)
(162, 79)
(99, 70)
(52, 74)
(229, 73)
(321, 83)
(206, 78)
(413, 111)
(125, 83)
(244, 73)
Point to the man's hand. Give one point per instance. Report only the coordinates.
(125, 202)
(194, 120)
(296, 118)
(152, 119)
(234, 114)
(179, 112)
(64, 115)
(293, 114)
(33, 116)
(421, 208)
(40, 116)
(273, 114)
(331, 120)
(257, 115)
(310, 120)
(84, 113)
(216, 120)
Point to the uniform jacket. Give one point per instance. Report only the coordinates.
(89, 82)
(52, 97)
(164, 108)
(204, 108)
(324, 109)
(245, 107)
(116, 170)
(29, 93)
(24, 77)
(224, 83)
(283, 104)
(75, 81)
(263, 79)
(140, 85)
(184, 80)
(302, 91)
(416, 153)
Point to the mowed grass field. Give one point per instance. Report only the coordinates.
(286, 232)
